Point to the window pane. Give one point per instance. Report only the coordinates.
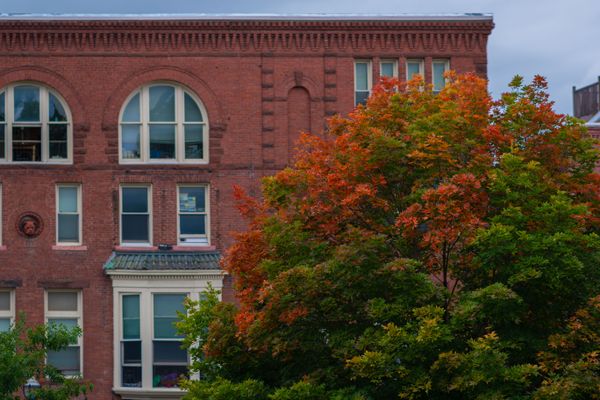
(2, 141)
(62, 301)
(27, 103)
(68, 323)
(135, 228)
(168, 375)
(192, 111)
(27, 143)
(192, 224)
(4, 324)
(166, 307)
(132, 111)
(130, 141)
(361, 97)
(412, 69)
(58, 141)
(2, 113)
(66, 361)
(67, 199)
(162, 141)
(438, 75)
(361, 76)
(162, 103)
(192, 199)
(68, 228)
(169, 352)
(4, 301)
(131, 317)
(132, 376)
(56, 111)
(193, 142)
(132, 352)
(135, 199)
(387, 69)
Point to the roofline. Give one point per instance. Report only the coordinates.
(247, 17)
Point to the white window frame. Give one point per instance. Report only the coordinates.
(206, 213)
(394, 67)
(369, 78)
(446, 63)
(149, 212)
(70, 315)
(43, 123)
(1, 212)
(122, 337)
(78, 213)
(179, 123)
(10, 313)
(421, 63)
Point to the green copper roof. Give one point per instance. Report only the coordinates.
(161, 261)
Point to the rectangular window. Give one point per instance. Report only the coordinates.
(68, 214)
(414, 67)
(439, 67)
(169, 360)
(362, 81)
(2, 126)
(135, 215)
(7, 310)
(131, 341)
(64, 308)
(192, 214)
(388, 68)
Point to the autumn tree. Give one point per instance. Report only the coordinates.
(431, 246)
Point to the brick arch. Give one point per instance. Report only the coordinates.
(54, 81)
(299, 80)
(110, 117)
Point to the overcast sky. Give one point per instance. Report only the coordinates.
(559, 39)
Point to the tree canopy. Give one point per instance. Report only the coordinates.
(430, 246)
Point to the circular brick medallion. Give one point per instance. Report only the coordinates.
(30, 225)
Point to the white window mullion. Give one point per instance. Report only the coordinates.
(45, 136)
(179, 129)
(146, 333)
(9, 102)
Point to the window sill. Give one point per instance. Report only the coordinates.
(136, 248)
(69, 248)
(143, 394)
(191, 247)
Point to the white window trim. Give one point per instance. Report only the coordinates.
(150, 217)
(10, 314)
(79, 212)
(446, 63)
(369, 78)
(206, 213)
(421, 67)
(1, 212)
(394, 67)
(68, 314)
(44, 122)
(144, 123)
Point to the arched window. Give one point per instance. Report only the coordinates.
(35, 125)
(163, 122)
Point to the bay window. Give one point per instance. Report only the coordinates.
(7, 310)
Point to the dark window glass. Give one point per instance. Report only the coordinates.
(56, 111)
(162, 141)
(27, 143)
(192, 224)
(132, 376)
(193, 141)
(66, 360)
(361, 97)
(135, 228)
(132, 352)
(168, 376)
(2, 113)
(68, 228)
(27, 103)
(58, 141)
(192, 199)
(2, 141)
(135, 199)
(169, 352)
(162, 103)
(192, 112)
(130, 141)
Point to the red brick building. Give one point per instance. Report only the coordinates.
(121, 138)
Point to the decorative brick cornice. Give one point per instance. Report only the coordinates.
(137, 36)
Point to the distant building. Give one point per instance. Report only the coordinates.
(121, 137)
(586, 105)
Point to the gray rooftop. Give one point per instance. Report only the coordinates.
(246, 17)
(163, 261)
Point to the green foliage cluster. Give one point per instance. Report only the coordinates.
(434, 247)
(23, 352)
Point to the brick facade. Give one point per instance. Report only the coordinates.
(260, 80)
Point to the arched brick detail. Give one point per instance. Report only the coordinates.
(110, 117)
(299, 79)
(62, 86)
